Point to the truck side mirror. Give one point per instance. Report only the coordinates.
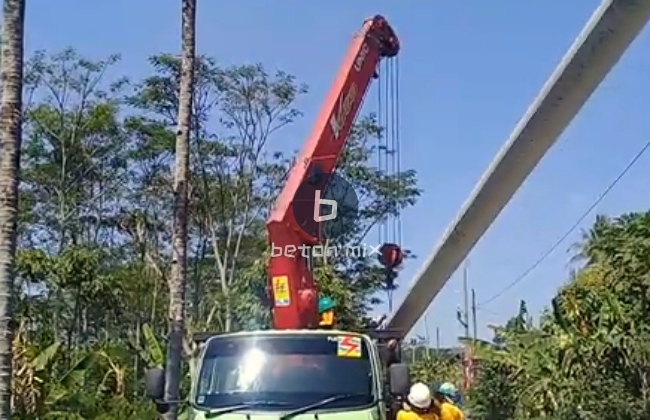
(399, 378)
(154, 380)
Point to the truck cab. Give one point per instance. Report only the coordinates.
(292, 374)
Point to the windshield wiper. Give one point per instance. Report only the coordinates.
(253, 404)
(319, 404)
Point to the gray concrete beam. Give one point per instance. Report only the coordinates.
(602, 42)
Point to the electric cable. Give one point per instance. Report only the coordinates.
(545, 255)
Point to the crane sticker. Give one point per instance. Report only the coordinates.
(349, 346)
(281, 293)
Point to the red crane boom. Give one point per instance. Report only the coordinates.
(293, 290)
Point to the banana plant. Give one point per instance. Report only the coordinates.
(39, 387)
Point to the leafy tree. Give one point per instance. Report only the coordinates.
(436, 366)
(588, 357)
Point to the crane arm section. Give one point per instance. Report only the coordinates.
(292, 285)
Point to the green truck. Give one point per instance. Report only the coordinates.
(293, 374)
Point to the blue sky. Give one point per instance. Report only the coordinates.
(468, 71)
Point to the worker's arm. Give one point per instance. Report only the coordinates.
(459, 414)
(393, 355)
(449, 412)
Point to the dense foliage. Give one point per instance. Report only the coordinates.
(95, 223)
(589, 355)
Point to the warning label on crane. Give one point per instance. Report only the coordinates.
(325, 206)
(281, 293)
(349, 346)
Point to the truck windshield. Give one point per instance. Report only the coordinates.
(284, 372)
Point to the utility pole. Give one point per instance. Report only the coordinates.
(474, 326)
(462, 314)
(465, 321)
(426, 330)
(438, 338)
(466, 298)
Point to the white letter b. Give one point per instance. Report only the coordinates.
(274, 248)
(323, 201)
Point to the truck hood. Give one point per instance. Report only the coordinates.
(367, 414)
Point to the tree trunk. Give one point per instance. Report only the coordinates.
(11, 133)
(178, 278)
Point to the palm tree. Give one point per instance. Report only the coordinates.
(178, 277)
(10, 137)
(589, 248)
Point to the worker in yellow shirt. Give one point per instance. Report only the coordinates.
(418, 405)
(327, 312)
(443, 398)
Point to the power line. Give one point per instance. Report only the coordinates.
(600, 198)
(487, 311)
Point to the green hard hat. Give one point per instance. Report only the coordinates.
(325, 304)
(447, 389)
